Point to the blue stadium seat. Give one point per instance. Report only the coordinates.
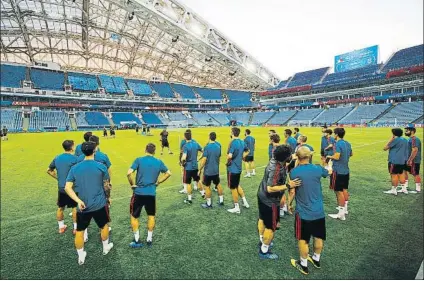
(242, 118)
(177, 116)
(12, 75)
(113, 85)
(204, 119)
(47, 79)
(12, 119)
(238, 98)
(408, 57)
(308, 77)
(333, 115)
(185, 91)
(403, 113)
(222, 118)
(151, 118)
(95, 118)
(209, 94)
(365, 113)
(80, 119)
(118, 117)
(139, 87)
(39, 120)
(163, 89)
(307, 115)
(261, 117)
(83, 82)
(281, 117)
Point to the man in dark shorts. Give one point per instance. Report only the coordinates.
(104, 132)
(4, 132)
(398, 156)
(164, 141)
(339, 179)
(91, 180)
(112, 132)
(190, 164)
(144, 130)
(137, 128)
(324, 144)
(59, 169)
(78, 150)
(269, 195)
(148, 170)
(414, 158)
(309, 212)
(331, 144)
(250, 158)
(210, 163)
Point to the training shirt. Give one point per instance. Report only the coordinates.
(191, 148)
(297, 136)
(341, 166)
(164, 136)
(78, 150)
(99, 157)
(414, 142)
(236, 148)
(212, 152)
(330, 151)
(88, 177)
(291, 141)
(324, 143)
(275, 174)
(63, 163)
(398, 151)
(270, 150)
(250, 143)
(309, 199)
(148, 170)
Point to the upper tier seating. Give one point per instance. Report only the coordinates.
(365, 113)
(96, 119)
(240, 117)
(12, 119)
(261, 117)
(177, 116)
(47, 79)
(113, 84)
(308, 77)
(307, 114)
(80, 119)
(209, 94)
(41, 119)
(163, 89)
(204, 119)
(238, 98)
(139, 87)
(337, 77)
(151, 118)
(118, 117)
(281, 117)
(222, 118)
(333, 115)
(12, 75)
(185, 91)
(406, 58)
(280, 85)
(83, 82)
(405, 112)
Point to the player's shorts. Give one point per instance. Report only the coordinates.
(322, 153)
(414, 169)
(190, 175)
(396, 169)
(305, 229)
(269, 215)
(101, 217)
(339, 182)
(140, 201)
(207, 180)
(112, 133)
(233, 180)
(165, 143)
(249, 158)
(63, 200)
(105, 134)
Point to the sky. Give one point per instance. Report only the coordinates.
(299, 35)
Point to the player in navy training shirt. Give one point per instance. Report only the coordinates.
(414, 158)
(296, 134)
(290, 141)
(59, 169)
(191, 166)
(78, 150)
(250, 158)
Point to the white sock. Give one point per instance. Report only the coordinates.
(236, 205)
(247, 174)
(105, 243)
(189, 197)
(285, 208)
(345, 206)
(80, 251)
(75, 225)
(195, 185)
(185, 187)
(304, 262)
(208, 201)
(221, 198)
(406, 183)
(341, 211)
(86, 234)
(253, 171)
(418, 186)
(61, 224)
(394, 188)
(137, 235)
(202, 192)
(149, 236)
(264, 248)
(261, 238)
(404, 186)
(316, 256)
(244, 200)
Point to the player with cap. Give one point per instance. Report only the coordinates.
(414, 159)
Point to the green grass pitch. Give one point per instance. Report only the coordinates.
(381, 238)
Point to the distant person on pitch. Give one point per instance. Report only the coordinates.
(164, 141)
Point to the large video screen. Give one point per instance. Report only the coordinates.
(356, 59)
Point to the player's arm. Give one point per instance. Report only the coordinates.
(414, 153)
(163, 177)
(71, 193)
(291, 184)
(336, 156)
(202, 163)
(291, 195)
(130, 177)
(52, 170)
(389, 144)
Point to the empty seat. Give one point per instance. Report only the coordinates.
(12, 75)
(209, 94)
(47, 79)
(12, 119)
(185, 91)
(139, 87)
(261, 117)
(151, 118)
(83, 82)
(53, 119)
(163, 89)
(333, 115)
(118, 117)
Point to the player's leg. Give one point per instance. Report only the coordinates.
(233, 185)
(252, 168)
(102, 218)
(206, 184)
(74, 219)
(240, 192)
(60, 220)
(303, 236)
(283, 205)
(220, 190)
(136, 205)
(267, 224)
(346, 196)
(184, 190)
(394, 179)
(318, 246)
(247, 166)
(187, 186)
(417, 177)
(339, 184)
(402, 179)
(150, 207)
(83, 221)
(161, 152)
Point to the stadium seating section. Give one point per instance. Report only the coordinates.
(261, 117)
(151, 118)
(80, 119)
(204, 119)
(365, 113)
(242, 118)
(209, 94)
(118, 117)
(282, 117)
(164, 90)
(306, 115)
(47, 79)
(40, 120)
(177, 116)
(408, 57)
(333, 115)
(12, 75)
(403, 113)
(83, 82)
(185, 91)
(113, 85)
(12, 119)
(308, 77)
(139, 87)
(94, 118)
(238, 98)
(222, 118)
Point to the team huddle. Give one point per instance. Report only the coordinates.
(85, 184)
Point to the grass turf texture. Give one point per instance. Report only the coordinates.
(381, 238)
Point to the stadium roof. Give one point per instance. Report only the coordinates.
(134, 38)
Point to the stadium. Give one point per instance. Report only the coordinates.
(126, 70)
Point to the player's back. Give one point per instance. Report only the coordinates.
(191, 148)
(148, 170)
(341, 166)
(398, 153)
(212, 152)
(291, 141)
(237, 147)
(250, 143)
(63, 164)
(275, 174)
(415, 142)
(99, 157)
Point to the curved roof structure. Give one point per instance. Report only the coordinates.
(134, 38)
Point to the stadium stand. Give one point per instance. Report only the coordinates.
(139, 87)
(282, 117)
(47, 79)
(163, 89)
(280, 85)
(203, 119)
(408, 57)
(365, 113)
(12, 119)
(185, 91)
(355, 76)
(222, 118)
(261, 117)
(113, 85)
(151, 118)
(177, 116)
(333, 115)
(306, 114)
(12, 75)
(96, 119)
(403, 113)
(308, 77)
(209, 94)
(80, 119)
(41, 120)
(83, 82)
(241, 117)
(118, 117)
(238, 98)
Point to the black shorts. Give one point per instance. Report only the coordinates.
(249, 159)
(112, 133)
(165, 143)
(207, 180)
(101, 217)
(269, 215)
(190, 175)
(322, 153)
(414, 169)
(396, 169)
(105, 134)
(63, 200)
(304, 229)
(339, 182)
(291, 166)
(233, 180)
(140, 201)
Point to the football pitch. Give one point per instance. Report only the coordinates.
(382, 237)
